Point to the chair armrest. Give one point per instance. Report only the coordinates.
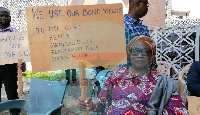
(55, 111)
(10, 104)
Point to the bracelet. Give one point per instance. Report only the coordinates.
(95, 108)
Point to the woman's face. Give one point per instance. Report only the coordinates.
(140, 55)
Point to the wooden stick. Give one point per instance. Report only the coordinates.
(20, 80)
(83, 83)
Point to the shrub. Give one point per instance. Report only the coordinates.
(52, 76)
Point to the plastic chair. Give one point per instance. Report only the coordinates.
(45, 98)
(164, 68)
(101, 77)
(183, 92)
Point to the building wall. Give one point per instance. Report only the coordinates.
(18, 12)
(156, 14)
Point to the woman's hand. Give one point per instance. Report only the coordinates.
(85, 105)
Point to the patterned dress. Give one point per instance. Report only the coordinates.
(127, 94)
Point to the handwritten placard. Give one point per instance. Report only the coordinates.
(14, 46)
(62, 36)
(194, 105)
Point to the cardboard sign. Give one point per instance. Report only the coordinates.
(194, 105)
(62, 36)
(14, 46)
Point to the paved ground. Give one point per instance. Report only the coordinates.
(70, 100)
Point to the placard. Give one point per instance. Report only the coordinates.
(62, 36)
(14, 46)
(194, 105)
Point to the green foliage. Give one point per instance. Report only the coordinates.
(57, 76)
(52, 76)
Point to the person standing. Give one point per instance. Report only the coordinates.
(8, 72)
(67, 72)
(133, 24)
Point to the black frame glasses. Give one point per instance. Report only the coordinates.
(144, 52)
(146, 3)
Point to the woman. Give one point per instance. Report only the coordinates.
(128, 90)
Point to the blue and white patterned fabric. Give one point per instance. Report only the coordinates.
(134, 28)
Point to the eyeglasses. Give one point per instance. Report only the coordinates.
(144, 52)
(146, 3)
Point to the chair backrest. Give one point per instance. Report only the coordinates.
(90, 73)
(183, 92)
(45, 95)
(165, 68)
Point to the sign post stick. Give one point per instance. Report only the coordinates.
(83, 83)
(20, 80)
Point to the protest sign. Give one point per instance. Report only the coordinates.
(194, 105)
(62, 36)
(14, 46)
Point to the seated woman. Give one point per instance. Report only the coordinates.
(133, 90)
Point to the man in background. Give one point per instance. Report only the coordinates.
(8, 72)
(73, 76)
(132, 22)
